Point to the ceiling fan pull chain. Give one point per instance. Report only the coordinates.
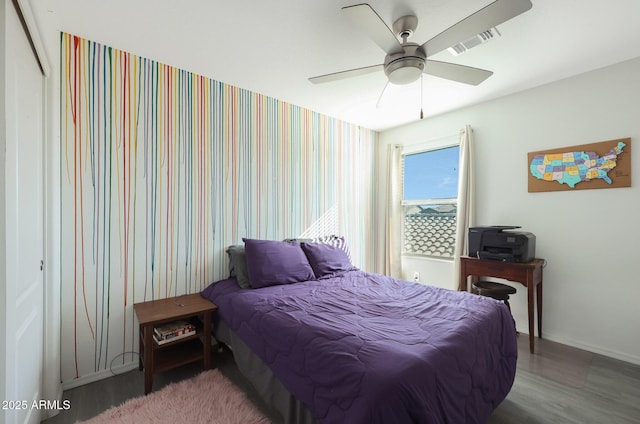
(421, 96)
(381, 94)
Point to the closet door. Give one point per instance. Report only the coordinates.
(24, 111)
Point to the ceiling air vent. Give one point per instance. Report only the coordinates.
(476, 40)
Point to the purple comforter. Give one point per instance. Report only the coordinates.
(365, 348)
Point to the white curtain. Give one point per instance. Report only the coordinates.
(393, 221)
(466, 196)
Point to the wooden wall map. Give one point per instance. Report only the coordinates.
(606, 164)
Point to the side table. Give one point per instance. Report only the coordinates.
(528, 274)
(156, 358)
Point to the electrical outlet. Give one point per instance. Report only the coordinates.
(416, 276)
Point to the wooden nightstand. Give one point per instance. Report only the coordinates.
(156, 358)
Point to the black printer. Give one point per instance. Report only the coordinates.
(498, 243)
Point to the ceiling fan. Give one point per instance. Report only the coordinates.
(405, 61)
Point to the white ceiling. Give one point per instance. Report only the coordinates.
(272, 47)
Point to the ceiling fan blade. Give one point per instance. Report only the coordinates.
(367, 20)
(488, 17)
(455, 72)
(346, 74)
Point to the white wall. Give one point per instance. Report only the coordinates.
(589, 237)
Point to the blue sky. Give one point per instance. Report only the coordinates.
(432, 174)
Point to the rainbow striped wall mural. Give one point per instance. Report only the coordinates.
(162, 169)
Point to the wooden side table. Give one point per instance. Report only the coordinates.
(528, 274)
(156, 358)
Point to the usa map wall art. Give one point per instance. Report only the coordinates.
(606, 164)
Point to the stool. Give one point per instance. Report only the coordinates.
(494, 290)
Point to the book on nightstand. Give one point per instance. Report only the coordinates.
(173, 331)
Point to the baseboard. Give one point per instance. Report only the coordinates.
(100, 375)
(594, 349)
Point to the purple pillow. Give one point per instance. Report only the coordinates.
(327, 260)
(271, 262)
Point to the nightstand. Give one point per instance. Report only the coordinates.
(156, 358)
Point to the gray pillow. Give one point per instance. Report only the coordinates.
(238, 265)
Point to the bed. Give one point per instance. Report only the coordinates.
(325, 342)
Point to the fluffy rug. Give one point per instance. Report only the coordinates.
(207, 398)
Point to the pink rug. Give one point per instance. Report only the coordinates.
(206, 398)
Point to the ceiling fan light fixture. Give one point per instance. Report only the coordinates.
(404, 71)
(407, 67)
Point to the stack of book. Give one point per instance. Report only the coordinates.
(173, 331)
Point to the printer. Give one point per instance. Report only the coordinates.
(501, 244)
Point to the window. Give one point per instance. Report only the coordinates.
(430, 195)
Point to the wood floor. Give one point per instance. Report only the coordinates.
(558, 384)
(561, 384)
